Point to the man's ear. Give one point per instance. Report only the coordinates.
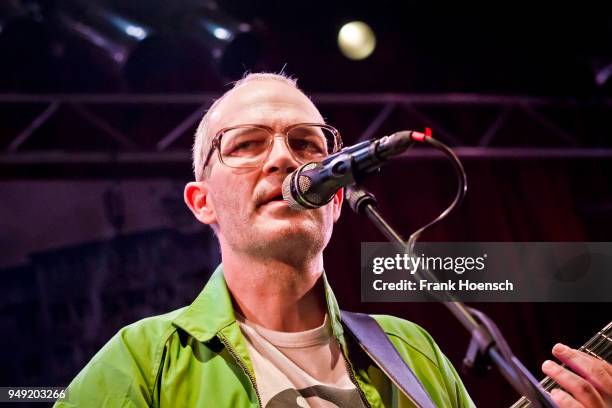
(337, 203)
(197, 199)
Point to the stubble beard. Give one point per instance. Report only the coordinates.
(294, 243)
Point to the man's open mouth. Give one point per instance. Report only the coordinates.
(278, 197)
(275, 198)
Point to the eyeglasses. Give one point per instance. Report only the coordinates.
(247, 146)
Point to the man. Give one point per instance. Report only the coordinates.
(266, 330)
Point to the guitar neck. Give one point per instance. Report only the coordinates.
(600, 346)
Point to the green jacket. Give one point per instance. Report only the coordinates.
(196, 356)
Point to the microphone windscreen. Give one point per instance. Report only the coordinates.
(287, 196)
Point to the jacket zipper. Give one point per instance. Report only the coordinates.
(244, 368)
(349, 368)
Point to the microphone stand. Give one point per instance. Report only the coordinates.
(487, 344)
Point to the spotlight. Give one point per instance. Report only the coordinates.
(229, 45)
(356, 40)
(602, 70)
(127, 52)
(95, 44)
(233, 44)
(186, 45)
(141, 45)
(112, 34)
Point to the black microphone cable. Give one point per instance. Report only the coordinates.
(461, 184)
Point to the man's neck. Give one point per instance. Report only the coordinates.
(276, 295)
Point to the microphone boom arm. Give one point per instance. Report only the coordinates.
(487, 344)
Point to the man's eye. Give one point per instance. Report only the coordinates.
(245, 146)
(308, 145)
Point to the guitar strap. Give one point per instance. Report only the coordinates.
(377, 345)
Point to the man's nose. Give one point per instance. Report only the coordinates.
(280, 159)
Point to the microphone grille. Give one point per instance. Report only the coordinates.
(310, 166)
(304, 183)
(288, 197)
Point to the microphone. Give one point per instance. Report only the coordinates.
(314, 184)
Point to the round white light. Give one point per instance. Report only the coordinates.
(356, 40)
(136, 32)
(221, 33)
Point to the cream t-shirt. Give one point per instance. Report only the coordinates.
(299, 369)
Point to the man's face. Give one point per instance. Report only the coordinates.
(246, 204)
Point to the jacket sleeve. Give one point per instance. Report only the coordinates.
(430, 365)
(121, 374)
(462, 398)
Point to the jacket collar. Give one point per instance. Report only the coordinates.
(213, 310)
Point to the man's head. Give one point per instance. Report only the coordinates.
(241, 204)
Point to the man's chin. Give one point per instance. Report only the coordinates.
(287, 228)
(284, 231)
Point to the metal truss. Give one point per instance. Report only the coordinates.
(566, 144)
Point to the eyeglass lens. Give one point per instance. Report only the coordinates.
(250, 145)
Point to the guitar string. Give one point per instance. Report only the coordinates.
(599, 349)
(603, 348)
(548, 384)
(597, 345)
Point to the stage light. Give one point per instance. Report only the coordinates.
(208, 33)
(234, 45)
(136, 54)
(356, 40)
(602, 70)
(136, 32)
(114, 35)
(140, 45)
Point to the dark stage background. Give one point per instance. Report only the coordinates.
(95, 153)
